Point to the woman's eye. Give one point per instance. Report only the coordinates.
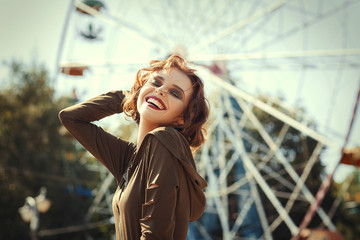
(175, 93)
(155, 83)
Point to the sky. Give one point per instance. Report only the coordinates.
(31, 31)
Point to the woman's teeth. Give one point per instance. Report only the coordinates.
(156, 103)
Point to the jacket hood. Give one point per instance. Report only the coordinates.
(176, 143)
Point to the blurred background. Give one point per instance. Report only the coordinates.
(282, 79)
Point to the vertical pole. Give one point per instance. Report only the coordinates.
(62, 40)
(34, 221)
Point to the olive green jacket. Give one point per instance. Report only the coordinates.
(159, 190)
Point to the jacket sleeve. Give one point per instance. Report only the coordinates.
(109, 150)
(162, 183)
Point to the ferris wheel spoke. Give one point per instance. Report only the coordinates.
(262, 183)
(274, 55)
(278, 155)
(241, 217)
(305, 24)
(301, 10)
(281, 158)
(236, 27)
(259, 26)
(294, 195)
(215, 17)
(277, 114)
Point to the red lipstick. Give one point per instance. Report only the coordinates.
(155, 103)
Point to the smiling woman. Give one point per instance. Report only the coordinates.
(159, 190)
(177, 73)
(162, 102)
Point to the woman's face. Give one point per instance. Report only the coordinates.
(164, 98)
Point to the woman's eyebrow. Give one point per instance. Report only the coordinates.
(159, 77)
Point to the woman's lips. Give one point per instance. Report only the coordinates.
(155, 103)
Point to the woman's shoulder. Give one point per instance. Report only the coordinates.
(177, 145)
(169, 135)
(172, 140)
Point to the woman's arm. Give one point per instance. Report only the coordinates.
(108, 149)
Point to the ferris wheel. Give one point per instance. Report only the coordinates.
(246, 52)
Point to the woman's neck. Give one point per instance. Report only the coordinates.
(144, 128)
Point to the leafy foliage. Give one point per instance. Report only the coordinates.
(33, 154)
(348, 213)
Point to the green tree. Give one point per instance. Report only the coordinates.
(348, 213)
(33, 154)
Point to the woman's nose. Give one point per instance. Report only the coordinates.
(161, 91)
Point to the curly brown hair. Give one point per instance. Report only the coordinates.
(195, 114)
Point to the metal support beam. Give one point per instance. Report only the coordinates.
(207, 42)
(270, 110)
(275, 55)
(104, 187)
